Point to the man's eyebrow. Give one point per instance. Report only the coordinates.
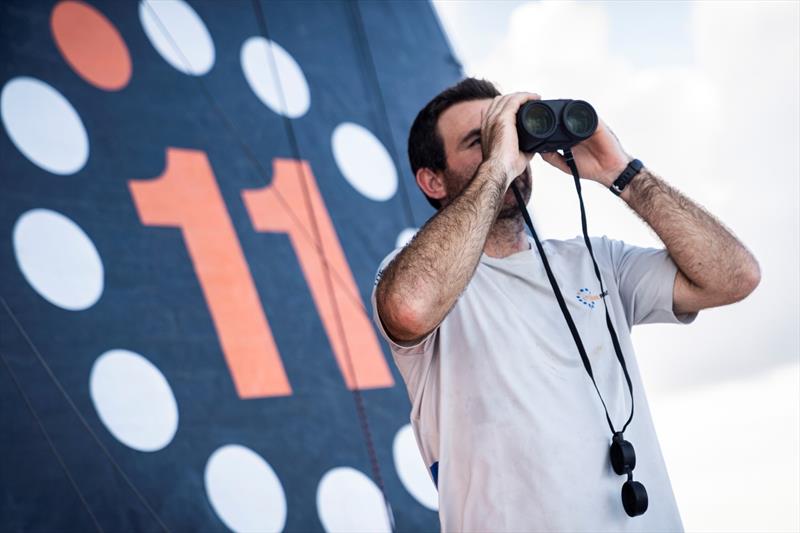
(470, 134)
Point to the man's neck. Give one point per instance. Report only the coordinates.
(506, 237)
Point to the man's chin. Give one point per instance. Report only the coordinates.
(509, 210)
(510, 207)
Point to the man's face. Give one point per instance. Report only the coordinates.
(460, 129)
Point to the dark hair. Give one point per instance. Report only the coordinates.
(425, 145)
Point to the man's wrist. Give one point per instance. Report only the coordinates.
(495, 170)
(640, 182)
(614, 174)
(622, 180)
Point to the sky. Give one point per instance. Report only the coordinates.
(707, 95)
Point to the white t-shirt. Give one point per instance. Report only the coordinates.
(503, 410)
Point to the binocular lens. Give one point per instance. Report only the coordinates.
(539, 120)
(580, 119)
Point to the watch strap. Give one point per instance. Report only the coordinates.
(625, 178)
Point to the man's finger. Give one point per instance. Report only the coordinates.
(491, 110)
(516, 100)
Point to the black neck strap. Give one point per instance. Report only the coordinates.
(560, 298)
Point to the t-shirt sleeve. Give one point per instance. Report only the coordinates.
(646, 280)
(419, 347)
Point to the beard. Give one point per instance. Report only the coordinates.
(509, 209)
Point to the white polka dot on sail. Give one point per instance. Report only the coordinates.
(364, 162)
(58, 260)
(178, 34)
(287, 95)
(44, 126)
(412, 470)
(244, 490)
(133, 400)
(349, 502)
(405, 236)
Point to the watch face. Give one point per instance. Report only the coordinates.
(195, 199)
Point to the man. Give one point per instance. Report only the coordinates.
(504, 413)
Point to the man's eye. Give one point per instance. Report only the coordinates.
(477, 140)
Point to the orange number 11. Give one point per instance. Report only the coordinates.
(187, 196)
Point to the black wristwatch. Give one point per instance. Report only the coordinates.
(625, 178)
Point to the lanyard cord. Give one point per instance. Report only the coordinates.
(50, 443)
(560, 298)
(81, 418)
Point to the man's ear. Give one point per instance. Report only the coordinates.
(431, 183)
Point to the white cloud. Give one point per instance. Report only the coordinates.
(732, 452)
(724, 130)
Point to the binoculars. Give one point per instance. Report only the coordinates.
(549, 125)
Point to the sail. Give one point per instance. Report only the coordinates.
(194, 199)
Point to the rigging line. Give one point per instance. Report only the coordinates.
(356, 392)
(366, 53)
(83, 420)
(50, 442)
(250, 155)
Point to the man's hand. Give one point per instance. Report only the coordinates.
(714, 268)
(599, 158)
(499, 140)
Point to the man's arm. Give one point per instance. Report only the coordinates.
(422, 283)
(420, 286)
(714, 268)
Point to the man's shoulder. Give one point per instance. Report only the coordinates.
(577, 242)
(604, 249)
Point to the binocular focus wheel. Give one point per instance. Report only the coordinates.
(623, 457)
(634, 498)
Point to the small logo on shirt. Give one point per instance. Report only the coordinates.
(588, 299)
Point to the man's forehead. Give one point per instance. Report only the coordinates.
(461, 118)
